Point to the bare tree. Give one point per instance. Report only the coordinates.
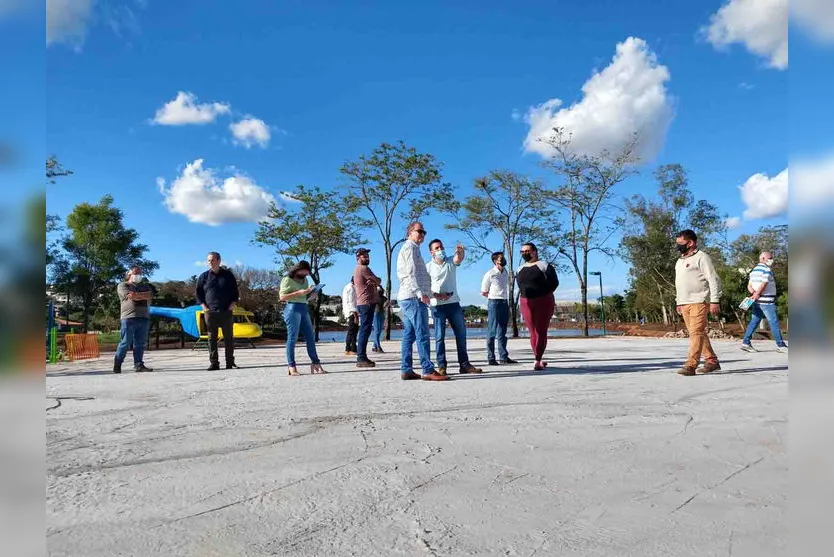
(586, 196)
(506, 210)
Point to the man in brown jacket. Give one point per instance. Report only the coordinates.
(698, 293)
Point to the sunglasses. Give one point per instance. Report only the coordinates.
(420, 231)
(526, 252)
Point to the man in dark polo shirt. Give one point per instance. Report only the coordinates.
(135, 296)
(366, 284)
(218, 294)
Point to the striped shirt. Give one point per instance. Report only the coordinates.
(762, 274)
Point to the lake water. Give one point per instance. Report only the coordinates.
(479, 332)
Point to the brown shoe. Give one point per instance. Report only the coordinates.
(469, 368)
(365, 363)
(685, 370)
(409, 376)
(434, 376)
(440, 371)
(350, 353)
(709, 367)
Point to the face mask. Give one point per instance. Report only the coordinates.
(440, 254)
(501, 263)
(682, 248)
(527, 257)
(769, 262)
(135, 279)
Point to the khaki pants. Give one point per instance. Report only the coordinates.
(695, 318)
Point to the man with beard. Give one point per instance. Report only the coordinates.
(366, 284)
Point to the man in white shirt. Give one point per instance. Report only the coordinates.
(495, 287)
(351, 316)
(413, 299)
(446, 305)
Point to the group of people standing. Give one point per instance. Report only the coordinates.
(433, 286)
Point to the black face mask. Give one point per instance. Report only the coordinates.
(682, 248)
(527, 257)
(501, 263)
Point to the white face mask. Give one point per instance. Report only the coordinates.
(135, 279)
(769, 262)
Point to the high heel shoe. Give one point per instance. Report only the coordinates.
(316, 369)
(292, 370)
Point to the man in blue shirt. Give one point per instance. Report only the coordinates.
(762, 288)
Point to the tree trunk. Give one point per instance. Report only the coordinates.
(389, 314)
(513, 301)
(584, 287)
(514, 312)
(665, 314)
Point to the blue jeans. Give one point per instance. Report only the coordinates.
(297, 319)
(134, 330)
(415, 317)
(454, 313)
(379, 325)
(764, 311)
(366, 322)
(499, 316)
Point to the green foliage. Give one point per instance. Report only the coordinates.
(472, 313)
(96, 253)
(648, 242)
(390, 187)
(315, 226)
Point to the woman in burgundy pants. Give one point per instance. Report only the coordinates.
(537, 281)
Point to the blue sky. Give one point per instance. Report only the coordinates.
(329, 82)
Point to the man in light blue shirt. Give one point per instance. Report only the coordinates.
(762, 288)
(413, 299)
(446, 305)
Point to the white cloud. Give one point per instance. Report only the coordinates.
(516, 115)
(626, 97)
(251, 131)
(185, 110)
(199, 263)
(765, 197)
(733, 222)
(67, 21)
(203, 197)
(816, 17)
(760, 25)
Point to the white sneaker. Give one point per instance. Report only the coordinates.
(782, 349)
(748, 347)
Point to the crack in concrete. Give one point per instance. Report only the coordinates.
(722, 482)
(430, 480)
(187, 456)
(265, 493)
(58, 399)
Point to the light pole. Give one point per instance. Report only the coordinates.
(601, 299)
